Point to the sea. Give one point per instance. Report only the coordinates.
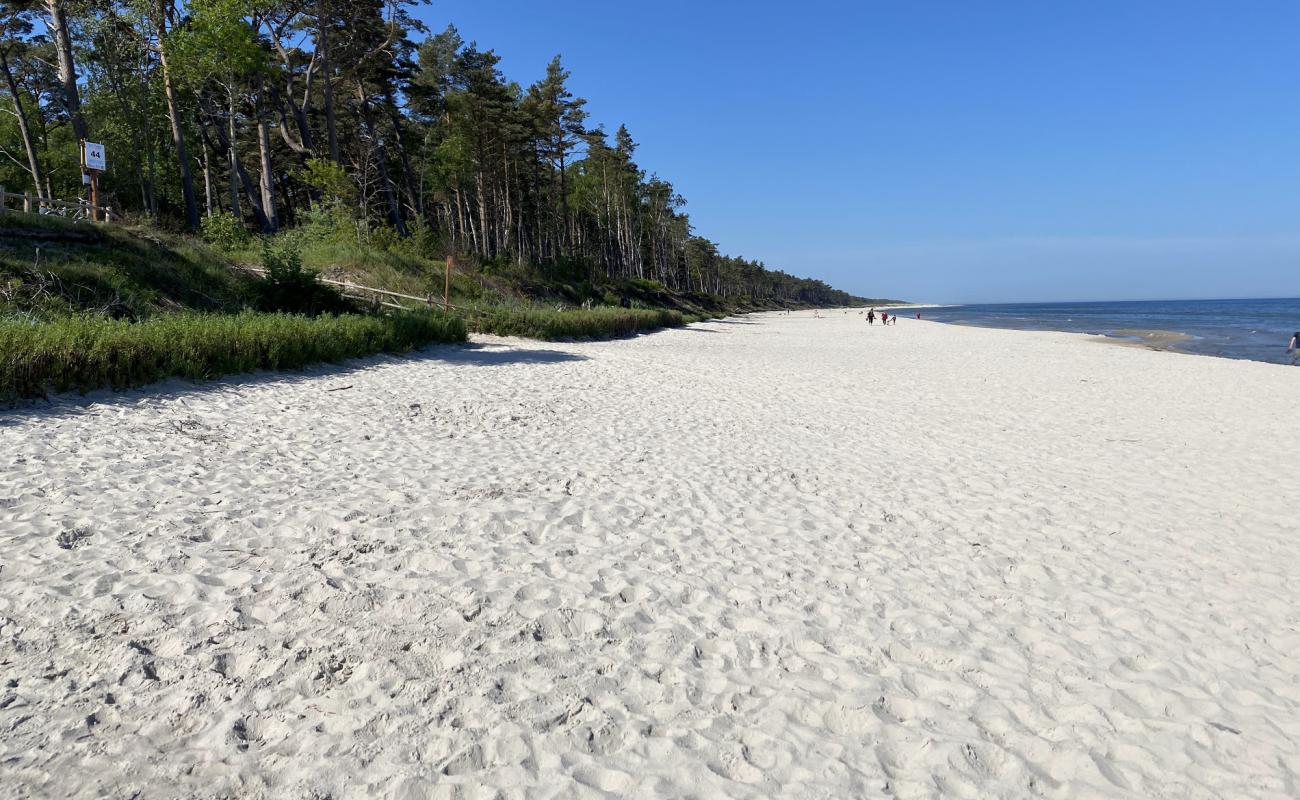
(1258, 330)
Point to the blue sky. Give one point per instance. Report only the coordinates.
(953, 151)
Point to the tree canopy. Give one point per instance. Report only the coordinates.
(277, 110)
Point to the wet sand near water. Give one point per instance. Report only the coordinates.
(1146, 338)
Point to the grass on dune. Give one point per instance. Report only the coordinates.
(579, 323)
(85, 352)
(52, 267)
(85, 307)
(396, 272)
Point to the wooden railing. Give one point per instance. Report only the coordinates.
(68, 209)
(348, 286)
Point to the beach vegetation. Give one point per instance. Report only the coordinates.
(52, 267)
(85, 351)
(225, 232)
(572, 323)
(288, 286)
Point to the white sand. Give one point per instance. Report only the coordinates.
(779, 556)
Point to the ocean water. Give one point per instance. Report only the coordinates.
(1258, 330)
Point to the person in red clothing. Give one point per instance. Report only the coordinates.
(884, 317)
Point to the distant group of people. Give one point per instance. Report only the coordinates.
(885, 318)
(892, 319)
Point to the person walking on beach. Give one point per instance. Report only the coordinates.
(1294, 348)
(871, 317)
(918, 315)
(884, 317)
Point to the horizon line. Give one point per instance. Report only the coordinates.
(1134, 300)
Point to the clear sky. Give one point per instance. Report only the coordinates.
(955, 151)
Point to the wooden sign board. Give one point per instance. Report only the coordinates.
(92, 155)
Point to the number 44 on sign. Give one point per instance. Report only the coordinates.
(93, 155)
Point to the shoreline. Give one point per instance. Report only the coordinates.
(1152, 339)
(1252, 330)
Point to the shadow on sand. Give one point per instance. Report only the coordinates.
(483, 355)
(473, 354)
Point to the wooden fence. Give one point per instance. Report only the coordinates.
(68, 209)
(358, 292)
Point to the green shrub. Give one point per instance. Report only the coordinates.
(646, 285)
(289, 287)
(327, 222)
(383, 237)
(330, 179)
(89, 352)
(225, 231)
(422, 241)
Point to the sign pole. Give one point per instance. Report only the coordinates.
(85, 171)
(93, 162)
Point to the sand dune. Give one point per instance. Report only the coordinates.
(771, 556)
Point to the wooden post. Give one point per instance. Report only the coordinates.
(94, 195)
(27, 202)
(446, 285)
(92, 168)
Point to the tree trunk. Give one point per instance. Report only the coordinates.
(408, 183)
(151, 155)
(390, 196)
(239, 177)
(207, 181)
(305, 144)
(232, 154)
(34, 165)
(151, 159)
(564, 201)
(480, 192)
(264, 148)
(58, 23)
(173, 114)
(327, 79)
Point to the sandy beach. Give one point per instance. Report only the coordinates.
(768, 556)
